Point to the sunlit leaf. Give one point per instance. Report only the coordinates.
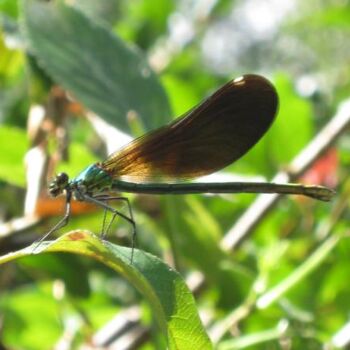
(173, 304)
(106, 75)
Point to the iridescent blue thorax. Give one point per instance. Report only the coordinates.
(90, 181)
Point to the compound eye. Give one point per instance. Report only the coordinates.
(57, 186)
(61, 179)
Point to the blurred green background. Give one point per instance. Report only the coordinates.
(100, 52)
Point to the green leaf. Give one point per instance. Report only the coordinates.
(293, 127)
(172, 302)
(101, 71)
(8, 7)
(183, 96)
(32, 320)
(13, 145)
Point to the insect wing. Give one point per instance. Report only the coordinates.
(207, 138)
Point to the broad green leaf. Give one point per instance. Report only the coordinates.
(173, 304)
(106, 75)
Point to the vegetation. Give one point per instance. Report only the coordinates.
(78, 79)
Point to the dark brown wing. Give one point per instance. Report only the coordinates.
(207, 138)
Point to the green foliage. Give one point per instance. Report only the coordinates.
(11, 166)
(291, 107)
(164, 288)
(105, 74)
(132, 63)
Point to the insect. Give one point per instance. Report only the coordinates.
(207, 138)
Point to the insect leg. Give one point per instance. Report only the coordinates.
(103, 231)
(63, 222)
(105, 199)
(101, 202)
